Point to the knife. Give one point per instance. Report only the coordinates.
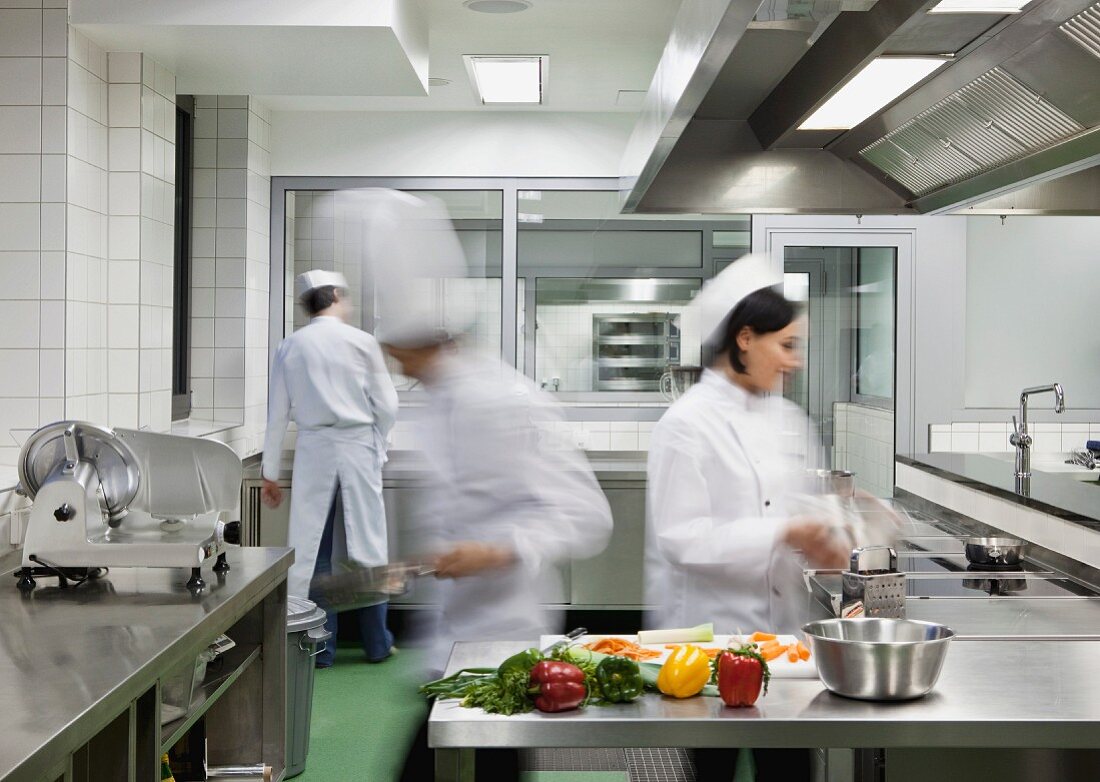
(570, 637)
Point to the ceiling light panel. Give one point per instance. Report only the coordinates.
(508, 79)
(879, 84)
(1000, 7)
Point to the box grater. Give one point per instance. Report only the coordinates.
(873, 588)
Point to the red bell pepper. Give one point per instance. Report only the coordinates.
(560, 686)
(741, 674)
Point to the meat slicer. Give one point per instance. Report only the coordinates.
(107, 498)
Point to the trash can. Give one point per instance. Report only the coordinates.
(306, 637)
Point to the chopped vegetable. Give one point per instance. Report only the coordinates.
(621, 647)
(792, 653)
(685, 672)
(759, 636)
(560, 686)
(741, 673)
(803, 651)
(699, 634)
(620, 680)
(772, 652)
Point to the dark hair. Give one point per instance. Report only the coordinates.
(764, 311)
(319, 299)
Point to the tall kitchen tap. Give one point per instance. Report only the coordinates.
(1020, 437)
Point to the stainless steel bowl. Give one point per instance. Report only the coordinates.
(839, 482)
(878, 659)
(995, 552)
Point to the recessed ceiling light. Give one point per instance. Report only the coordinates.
(497, 6)
(978, 7)
(879, 83)
(508, 78)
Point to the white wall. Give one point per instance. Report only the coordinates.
(1032, 290)
(487, 144)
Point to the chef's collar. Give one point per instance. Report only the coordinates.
(732, 391)
(316, 318)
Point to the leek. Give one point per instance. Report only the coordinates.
(699, 634)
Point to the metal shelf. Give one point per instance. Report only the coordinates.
(235, 661)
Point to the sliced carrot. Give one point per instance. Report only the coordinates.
(792, 653)
(803, 651)
(771, 654)
(759, 636)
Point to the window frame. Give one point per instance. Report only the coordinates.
(181, 268)
(871, 400)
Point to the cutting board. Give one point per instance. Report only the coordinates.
(781, 667)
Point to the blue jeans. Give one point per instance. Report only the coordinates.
(373, 633)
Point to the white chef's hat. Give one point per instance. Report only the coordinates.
(318, 278)
(721, 295)
(413, 251)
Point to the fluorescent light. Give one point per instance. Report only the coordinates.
(979, 7)
(877, 85)
(507, 79)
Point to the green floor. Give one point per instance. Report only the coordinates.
(364, 717)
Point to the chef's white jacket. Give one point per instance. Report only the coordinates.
(331, 379)
(723, 463)
(500, 479)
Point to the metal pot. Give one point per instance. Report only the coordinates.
(878, 659)
(676, 380)
(995, 552)
(839, 482)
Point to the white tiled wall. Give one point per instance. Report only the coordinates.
(142, 115)
(864, 444)
(984, 437)
(231, 215)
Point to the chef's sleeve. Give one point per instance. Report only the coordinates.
(685, 530)
(381, 391)
(278, 417)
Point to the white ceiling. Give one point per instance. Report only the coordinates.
(596, 49)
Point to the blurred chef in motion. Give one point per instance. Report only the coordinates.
(724, 463)
(330, 378)
(506, 504)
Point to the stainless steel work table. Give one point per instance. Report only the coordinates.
(1000, 693)
(73, 660)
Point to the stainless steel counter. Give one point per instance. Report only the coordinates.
(1010, 693)
(72, 659)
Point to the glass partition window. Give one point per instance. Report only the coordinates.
(326, 229)
(611, 334)
(874, 354)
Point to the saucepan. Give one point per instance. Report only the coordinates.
(359, 587)
(994, 552)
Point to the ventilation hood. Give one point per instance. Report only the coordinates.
(1011, 123)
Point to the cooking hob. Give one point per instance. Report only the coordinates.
(927, 562)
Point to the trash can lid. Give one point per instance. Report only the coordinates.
(302, 614)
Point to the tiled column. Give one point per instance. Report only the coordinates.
(142, 192)
(231, 260)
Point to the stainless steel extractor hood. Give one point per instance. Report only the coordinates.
(1016, 108)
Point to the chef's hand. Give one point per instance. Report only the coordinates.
(470, 559)
(271, 495)
(817, 542)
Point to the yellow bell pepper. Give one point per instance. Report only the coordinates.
(685, 672)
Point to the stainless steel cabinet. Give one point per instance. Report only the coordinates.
(614, 578)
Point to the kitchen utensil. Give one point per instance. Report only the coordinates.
(676, 380)
(359, 587)
(124, 498)
(873, 587)
(878, 659)
(569, 638)
(995, 552)
(177, 690)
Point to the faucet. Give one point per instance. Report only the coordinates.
(1020, 436)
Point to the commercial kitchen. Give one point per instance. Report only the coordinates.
(920, 179)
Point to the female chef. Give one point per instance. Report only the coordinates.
(723, 461)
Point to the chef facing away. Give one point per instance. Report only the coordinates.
(330, 378)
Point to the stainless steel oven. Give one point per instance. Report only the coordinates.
(631, 351)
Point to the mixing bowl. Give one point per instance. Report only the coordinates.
(878, 659)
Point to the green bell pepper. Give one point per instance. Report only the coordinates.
(620, 679)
